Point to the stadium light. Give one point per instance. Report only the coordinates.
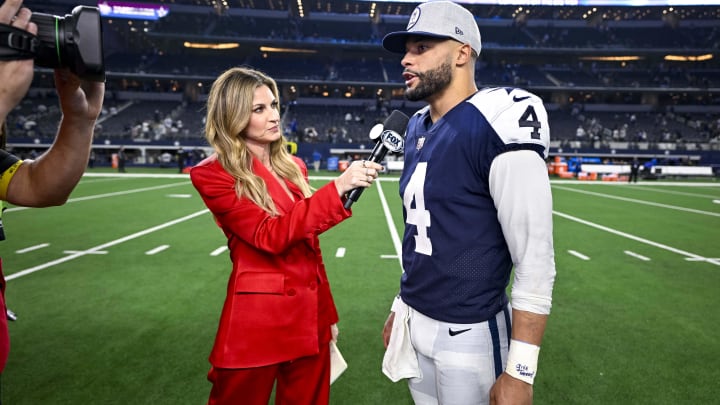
(221, 46)
(286, 50)
(689, 58)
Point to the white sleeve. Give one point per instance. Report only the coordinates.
(520, 188)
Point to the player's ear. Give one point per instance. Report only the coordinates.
(464, 54)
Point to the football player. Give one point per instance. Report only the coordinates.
(477, 203)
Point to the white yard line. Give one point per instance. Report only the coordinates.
(100, 248)
(663, 191)
(100, 180)
(391, 224)
(114, 194)
(157, 250)
(637, 255)
(219, 251)
(639, 239)
(31, 248)
(139, 175)
(578, 255)
(641, 184)
(654, 204)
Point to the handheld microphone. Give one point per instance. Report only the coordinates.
(390, 140)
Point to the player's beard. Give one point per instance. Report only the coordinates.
(430, 82)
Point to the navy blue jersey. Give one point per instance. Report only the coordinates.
(456, 260)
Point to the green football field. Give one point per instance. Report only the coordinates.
(118, 293)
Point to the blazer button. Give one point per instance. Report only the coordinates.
(291, 292)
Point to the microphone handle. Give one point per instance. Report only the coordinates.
(352, 197)
(377, 155)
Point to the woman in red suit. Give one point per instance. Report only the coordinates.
(279, 316)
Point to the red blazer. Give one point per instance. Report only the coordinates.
(278, 305)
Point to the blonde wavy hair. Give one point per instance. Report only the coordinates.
(229, 106)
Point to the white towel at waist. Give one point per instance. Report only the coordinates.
(400, 360)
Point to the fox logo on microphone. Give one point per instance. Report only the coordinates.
(392, 141)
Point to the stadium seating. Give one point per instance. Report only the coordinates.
(338, 66)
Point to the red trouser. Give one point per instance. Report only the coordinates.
(305, 381)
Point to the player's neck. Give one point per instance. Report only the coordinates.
(457, 92)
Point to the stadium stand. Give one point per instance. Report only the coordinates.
(605, 73)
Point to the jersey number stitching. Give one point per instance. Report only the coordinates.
(418, 216)
(530, 119)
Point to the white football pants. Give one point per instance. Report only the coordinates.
(459, 362)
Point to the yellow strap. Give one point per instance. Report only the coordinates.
(5, 178)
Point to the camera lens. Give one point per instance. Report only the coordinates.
(50, 36)
(73, 41)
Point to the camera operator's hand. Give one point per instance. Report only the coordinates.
(80, 100)
(15, 76)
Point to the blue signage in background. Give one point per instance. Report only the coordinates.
(332, 163)
(137, 11)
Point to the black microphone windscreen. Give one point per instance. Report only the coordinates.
(391, 139)
(397, 122)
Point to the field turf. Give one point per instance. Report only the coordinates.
(118, 294)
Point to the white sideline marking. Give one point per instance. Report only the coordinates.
(340, 252)
(139, 175)
(716, 201)
(157, 250)
(180, 195)
(391, 224)
(98, 248)
(85, 252)
(117, 193)
(31, 248)
(654, 204)
(637, 256)
(218, 251)
(701, 259)
(98, 180)
(663, 191)
(643, 184)
(578, 255)
(389, 256)
(638, 239)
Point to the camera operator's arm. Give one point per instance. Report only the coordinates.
(50, 178)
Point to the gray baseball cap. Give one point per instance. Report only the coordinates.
(438, 19)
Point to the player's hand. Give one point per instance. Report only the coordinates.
(387, 329)
(508, 390)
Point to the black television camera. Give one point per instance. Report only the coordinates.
(73, 41)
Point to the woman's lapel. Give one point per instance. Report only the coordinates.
(282, 200)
